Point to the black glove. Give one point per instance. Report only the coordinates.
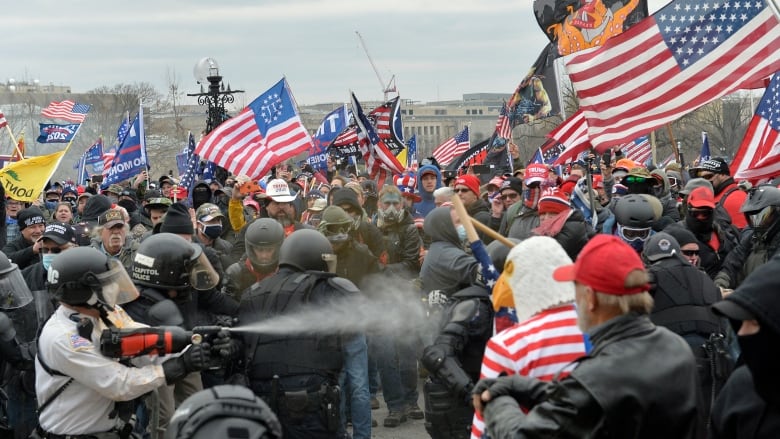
(194, 359)
(526, 390)
(225, 346)
(224, 320)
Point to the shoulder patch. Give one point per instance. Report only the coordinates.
(343, 284)
(79, 343)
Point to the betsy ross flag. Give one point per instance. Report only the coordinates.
(638, 150)
(759, 154)
(377, 155)
(266, 132)
(572, 133)
(66, 110)
(452, 147)
(686, 55)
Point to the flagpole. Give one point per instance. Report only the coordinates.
(13, 139)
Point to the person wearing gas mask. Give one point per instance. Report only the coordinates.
(749, 403)
(759, 242)
(262, 241)
(208, 230)
(82, 393)
(362, 231)
(22, 314)
(168, 268)
(356, 261)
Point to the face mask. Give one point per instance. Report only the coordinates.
(461, 229)
(531, 197)
(46, 260)
(50, 205)
(391, 214)
(760, 355)
(114, 200)
(213, 231)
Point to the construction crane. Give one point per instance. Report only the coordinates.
(386, 88)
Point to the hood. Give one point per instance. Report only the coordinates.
(660, 173)
(423, 169)
(96, 205)
(346, 196)
(532, 284)
(438, 225)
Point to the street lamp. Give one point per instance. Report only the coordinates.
(207, 71)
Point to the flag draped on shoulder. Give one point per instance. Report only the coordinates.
(378, 157)
(267, 132)
(130, 157)
(685, 55)
(67, 110)
(25, 180)
(759, 154)
(57, 133)
(452, 147)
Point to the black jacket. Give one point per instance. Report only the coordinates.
(480, 211)
(752, 252)
(639, 381)
(402, 244)
(712, 260)
(740, 413)
(21, 252)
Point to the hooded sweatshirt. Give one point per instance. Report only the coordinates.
(447, 266)
(427, 204)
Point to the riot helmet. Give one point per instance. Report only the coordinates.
(84, 276)
(14, 292)
(336, 224)
(762, 206)
(635, 215)
(167, 261)
(307, 249)
(263, 240)
(224, 411)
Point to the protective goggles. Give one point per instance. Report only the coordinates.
(632, 234)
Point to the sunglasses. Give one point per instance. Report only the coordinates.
(699, 213)
(54, 251)
(510, 196)
(631, 179)
(706, 176)
(461, 190)
(690, 252)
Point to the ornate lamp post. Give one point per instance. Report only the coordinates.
(206, 71)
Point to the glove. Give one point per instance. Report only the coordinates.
(224, 320)
(437, 298)
(223, 345)
(194, 359)
(526, 390)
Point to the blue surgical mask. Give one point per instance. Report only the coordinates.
(46, 259)
(461, 229)
(213, 231)
(51, 205)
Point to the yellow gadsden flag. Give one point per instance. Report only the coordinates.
(24, 180)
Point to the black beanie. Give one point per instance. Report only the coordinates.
(346, 196)
(29, 216)
(177, 220)
(96, 205)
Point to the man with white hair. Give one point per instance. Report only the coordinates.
(547, 337)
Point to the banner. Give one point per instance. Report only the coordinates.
(537, 96)
(56, 133)
(333, 124)
(130, 158)
(25, 180)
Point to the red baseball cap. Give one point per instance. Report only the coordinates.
(701, 197)
(603, 264)
(470, 181)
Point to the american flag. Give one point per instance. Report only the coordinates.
(638, 150)
(452, 147)
(386, 119)
(503, 127)
(3, 122)
(265, 133)
(66, 110)
(687, 54)
(379, 159)
(572, 133)
(188, 177)
(759, 154)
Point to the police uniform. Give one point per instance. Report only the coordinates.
(85, 405)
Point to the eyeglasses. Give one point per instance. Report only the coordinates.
(690, 252)
(53, 250)
(632, 179)
(706, 176)
(462, 190)
(510, 196)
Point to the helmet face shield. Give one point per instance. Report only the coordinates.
(263, 255)
(202, 274)
(14, 292)
(115, 285)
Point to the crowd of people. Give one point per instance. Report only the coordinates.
(614, 300)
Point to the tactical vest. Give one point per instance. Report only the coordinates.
(285, 355)
(480, 329)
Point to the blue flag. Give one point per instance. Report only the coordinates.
(705, 148)
(411, 152)
(209, 168)
(56, 133)
(91, 162)
(332, 125)
(130, 158)
(123, 129)
(191, 167)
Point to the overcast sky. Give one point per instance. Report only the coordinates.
(436, 49)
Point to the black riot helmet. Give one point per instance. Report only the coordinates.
(169, 262)
(84, 276)
(263, 240)
(762, 206)
(307, 249)
(14, 292)
(635, 210)
(224, 411)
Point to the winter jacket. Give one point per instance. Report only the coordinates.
(427, 203)
(712, 260)
(20, 252)
(402, 244)
(728, 195)
(752, 252)
(741, 413)
(447, 266)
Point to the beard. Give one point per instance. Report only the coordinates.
(583, 319)
(283, 219)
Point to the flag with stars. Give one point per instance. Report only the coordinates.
(686, 55)
(67, 110)
(705, 148)
(377, 155)
(267, 132)
(759, 154)
(191, 170)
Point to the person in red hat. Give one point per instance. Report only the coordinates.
(558, 220)
(467, 188)
(638, 380)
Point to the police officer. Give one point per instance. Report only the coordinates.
(297, 374)
(262, 241)
(454, 360)
(80, 392)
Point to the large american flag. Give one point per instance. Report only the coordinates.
(378, 157)
(66, 110)
(452, 147)
(503, 127)
(687, 54)
(759, 154)
(638, 150)
(572, 133)
(3, 122)
(265, 133)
